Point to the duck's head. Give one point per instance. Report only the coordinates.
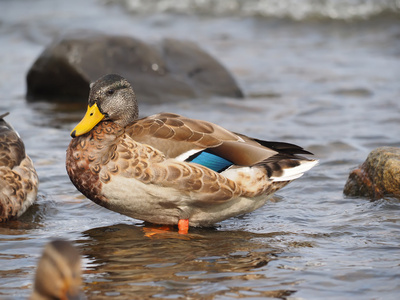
(58, 274)
(112, 98)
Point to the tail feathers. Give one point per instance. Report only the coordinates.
(292, 173)
(286, 148)
(4, 115)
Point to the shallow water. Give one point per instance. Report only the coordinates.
(331, 86)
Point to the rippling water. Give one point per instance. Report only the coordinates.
(329, 85)
(299, 10)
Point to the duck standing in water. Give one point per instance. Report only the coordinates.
(172, 170)
(18, 178)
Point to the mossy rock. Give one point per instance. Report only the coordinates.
(377, 177)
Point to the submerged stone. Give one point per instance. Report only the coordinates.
(166, 71)
(378, 176)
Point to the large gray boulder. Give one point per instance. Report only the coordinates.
(378, 176)
(169, 70)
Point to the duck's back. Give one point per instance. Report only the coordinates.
(18, 178)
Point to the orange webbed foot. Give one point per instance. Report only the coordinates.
(152, 231)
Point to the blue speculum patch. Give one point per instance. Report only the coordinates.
(211, 161)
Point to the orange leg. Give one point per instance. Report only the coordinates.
(183, 226)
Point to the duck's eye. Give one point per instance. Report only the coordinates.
(110, 92)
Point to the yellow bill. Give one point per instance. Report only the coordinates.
(91, 118)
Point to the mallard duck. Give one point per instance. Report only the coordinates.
(58, 274)
(169, 169)
(18, 178)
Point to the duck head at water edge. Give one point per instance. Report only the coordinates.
(58, 274)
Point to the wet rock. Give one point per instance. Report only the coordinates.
(169, 70)
(378, 176)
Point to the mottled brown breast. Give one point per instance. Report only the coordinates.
(87, 154)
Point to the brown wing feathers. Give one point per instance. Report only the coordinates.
(162, 131)
(12, 148)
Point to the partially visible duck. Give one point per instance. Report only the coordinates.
(18, 178)
(169, 169)
(58, 274)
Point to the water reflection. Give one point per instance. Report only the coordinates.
(31, 219)
(127, 261)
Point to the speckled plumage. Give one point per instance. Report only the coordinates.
(140, 167)
(18, 178)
